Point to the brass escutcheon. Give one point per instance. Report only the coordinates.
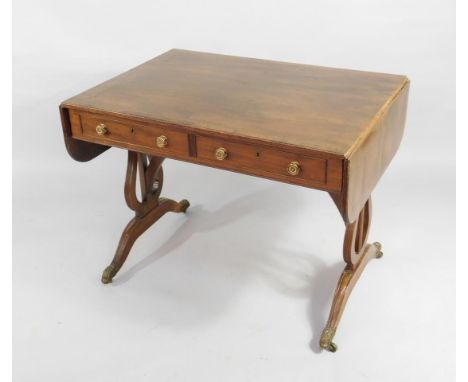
(101, 129)
(161, 141)
(294, 168)
(221, 153)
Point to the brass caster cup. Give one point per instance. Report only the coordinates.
(332, 347)
(184, 204)
(108, 274)
(379, 247)
(326, 340)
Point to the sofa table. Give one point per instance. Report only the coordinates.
(330, 129)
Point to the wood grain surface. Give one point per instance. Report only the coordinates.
(308, 106)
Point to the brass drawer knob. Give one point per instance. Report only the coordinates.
(294, 168)
(221, 153)
(161, 141)
(101, 129)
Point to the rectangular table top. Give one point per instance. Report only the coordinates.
(311, 107)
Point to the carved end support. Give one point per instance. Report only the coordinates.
(147, 210)
(357, 253)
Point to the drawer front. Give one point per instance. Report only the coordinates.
(271, 163)
(106, 131)
(258, 160)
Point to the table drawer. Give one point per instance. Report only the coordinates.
(111, 132)
(268, 162)
(259, 160)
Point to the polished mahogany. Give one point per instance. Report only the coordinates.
(324, 128)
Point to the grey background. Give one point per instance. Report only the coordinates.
(239, 288)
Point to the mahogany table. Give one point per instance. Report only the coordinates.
(330, 129)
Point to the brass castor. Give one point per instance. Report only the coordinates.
(379, 247)
(108, 274)
(332, 347)
(184, 204)
(326, 340)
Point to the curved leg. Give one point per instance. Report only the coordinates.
(357, 253)
(148, 211)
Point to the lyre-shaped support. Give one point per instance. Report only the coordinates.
(147, 211)
(357, 253)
